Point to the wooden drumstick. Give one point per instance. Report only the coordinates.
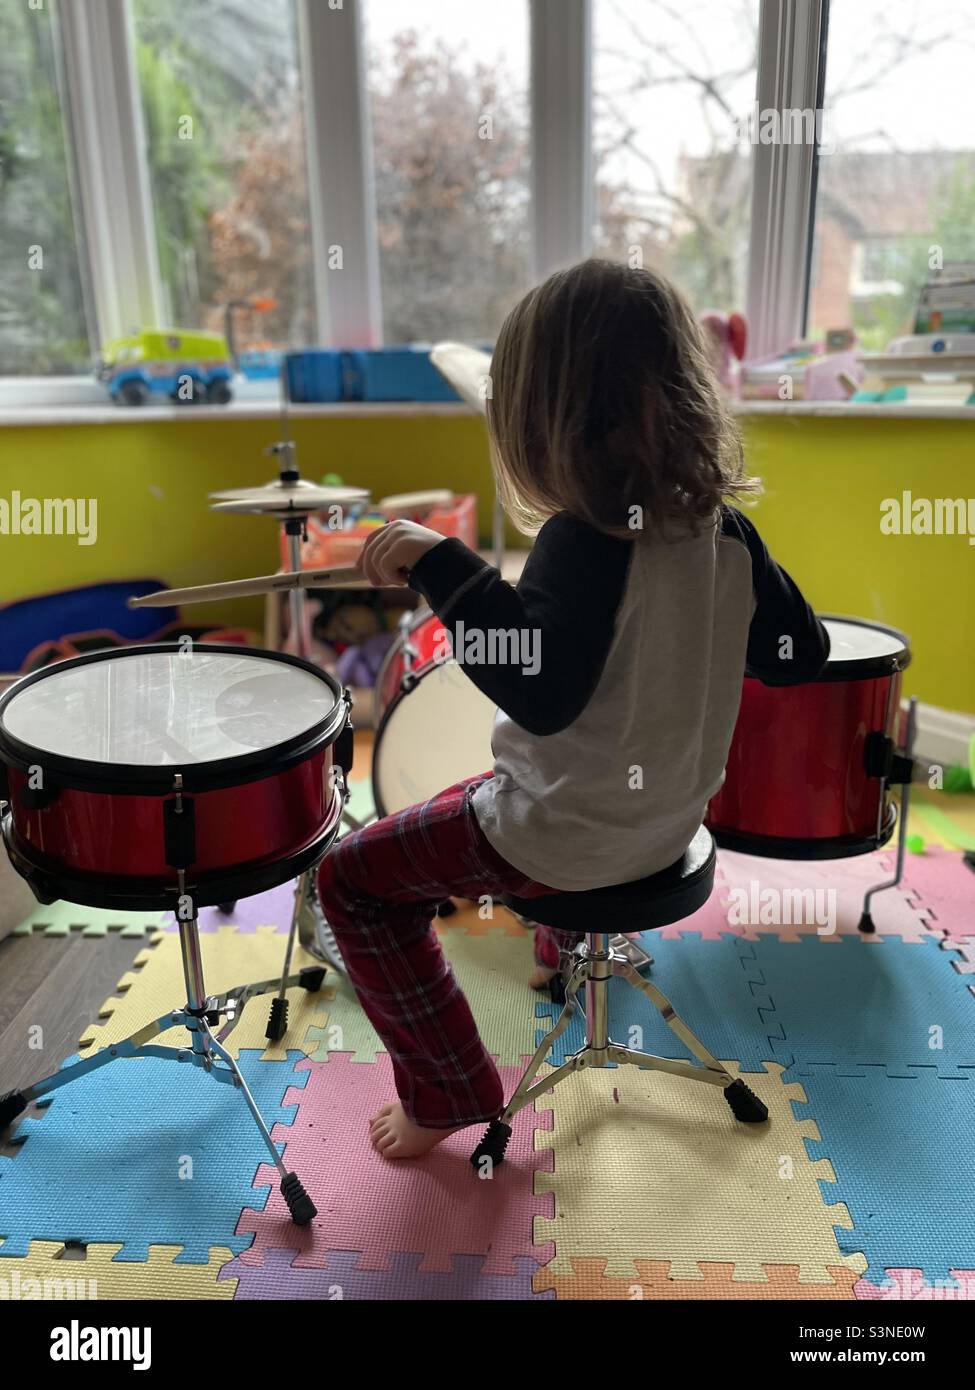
(345, 577)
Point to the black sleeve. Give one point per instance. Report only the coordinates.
(787, 644)
(548, 639)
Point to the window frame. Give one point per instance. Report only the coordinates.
(117, 248)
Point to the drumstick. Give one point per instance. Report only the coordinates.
(345, 577)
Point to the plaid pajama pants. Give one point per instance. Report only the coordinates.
(379, 889)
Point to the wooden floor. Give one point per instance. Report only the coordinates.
(57, 985)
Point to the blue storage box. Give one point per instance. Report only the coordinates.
(395, 374)
(315, 376)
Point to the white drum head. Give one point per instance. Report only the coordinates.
(853, 641)
(162, 709)
(436, 735)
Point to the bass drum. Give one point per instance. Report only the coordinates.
(434, 724)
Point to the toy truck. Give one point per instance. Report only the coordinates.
(188, 368)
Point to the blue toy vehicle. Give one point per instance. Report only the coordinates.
(184, 367)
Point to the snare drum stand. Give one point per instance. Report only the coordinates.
(199, 1015)
(897, 767)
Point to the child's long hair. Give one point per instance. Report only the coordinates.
(603, 402)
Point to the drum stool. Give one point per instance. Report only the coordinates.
(665, 897)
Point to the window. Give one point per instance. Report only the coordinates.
(42, 320)
(896, 188)
(673, 89)
(448, 88)
(226, 153)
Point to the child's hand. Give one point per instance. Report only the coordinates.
(391, 552)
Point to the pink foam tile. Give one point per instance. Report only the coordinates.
(911, 1284)
(895, 912)
(379, 1207)
(944, 886)
(270, 909)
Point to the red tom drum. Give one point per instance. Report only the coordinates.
(806, 772)
(123, 767)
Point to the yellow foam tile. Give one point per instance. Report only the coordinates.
(43, 1274)
(230, 958)
(651, 1167)
(493, 969)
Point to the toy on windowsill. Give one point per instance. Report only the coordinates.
(259, 361)
(922, 369)
(726, 336)
(183, 367)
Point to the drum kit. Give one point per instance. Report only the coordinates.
(176, 777)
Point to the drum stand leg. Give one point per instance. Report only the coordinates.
(866, 923)
(200, 1013)
(277, 1022)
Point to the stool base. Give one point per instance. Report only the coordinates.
(598, 963)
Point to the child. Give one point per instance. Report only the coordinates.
(624, 647)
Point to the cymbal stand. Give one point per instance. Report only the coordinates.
(294, 527)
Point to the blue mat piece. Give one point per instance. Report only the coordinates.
(850, 1003)
(108, 1159)
(905, 1167)
(715, 988)
(403, 1281)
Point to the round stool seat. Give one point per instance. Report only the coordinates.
(655, 901)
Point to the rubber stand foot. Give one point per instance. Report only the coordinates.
(226, 908)
(277, 1022)
(311, 978)
(493, 1144)
(866, 923)
(745, 1104)
(11, 1105)
(300, 1205)
(447, 908)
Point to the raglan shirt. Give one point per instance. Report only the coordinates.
(619, 685)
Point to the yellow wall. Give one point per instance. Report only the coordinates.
(825, 479)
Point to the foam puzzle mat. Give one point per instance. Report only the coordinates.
(148, 1179)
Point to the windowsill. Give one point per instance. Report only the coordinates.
(847, 410)
(109, 414)
(67, 401)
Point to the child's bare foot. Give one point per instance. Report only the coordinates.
(540, 976)
(394, 1135)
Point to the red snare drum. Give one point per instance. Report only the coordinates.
(434, 724)
(806, 768)
(101, 751)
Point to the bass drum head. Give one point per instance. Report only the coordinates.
(433, 735)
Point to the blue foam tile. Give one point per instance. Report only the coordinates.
(855, 1004)
(901, 1150)
(715, 987)
(146, 1152)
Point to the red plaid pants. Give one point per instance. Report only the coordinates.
(379, 889)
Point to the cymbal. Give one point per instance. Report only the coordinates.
(298, 496)
(467, 369)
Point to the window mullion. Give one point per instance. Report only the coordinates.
(561, 143)
(783, 174)
(103, 116)
(341, 192)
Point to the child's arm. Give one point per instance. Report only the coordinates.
(787, 644)
(560, 618)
